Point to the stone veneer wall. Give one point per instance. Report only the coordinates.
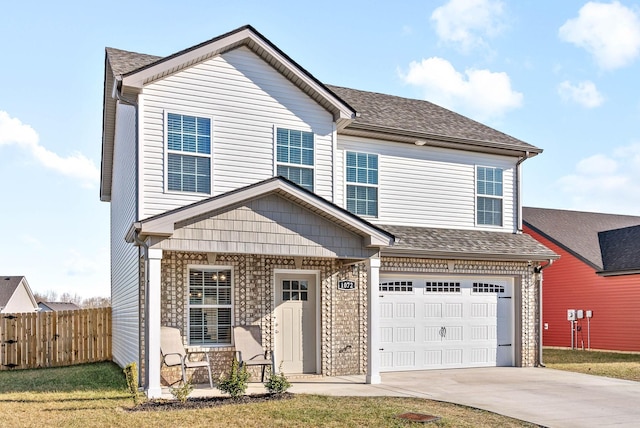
(342, 312)
(341, 353)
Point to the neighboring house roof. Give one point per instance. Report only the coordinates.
(578, 232)
(620, 250)
(164, 224)
(358, 112)
(58, 306)
(466, 244)
(8, 287)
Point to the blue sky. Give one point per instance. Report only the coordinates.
(562, 75)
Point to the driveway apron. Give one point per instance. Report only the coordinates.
(551, 398)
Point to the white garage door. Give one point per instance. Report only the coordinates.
(435, 323)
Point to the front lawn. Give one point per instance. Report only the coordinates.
(610, 364)
(94, 395)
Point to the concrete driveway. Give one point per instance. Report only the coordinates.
(547, 397)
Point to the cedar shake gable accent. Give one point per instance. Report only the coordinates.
(578, 232)
(465, 244)
(163, 225)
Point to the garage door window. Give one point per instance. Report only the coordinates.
(397, 286)
(442, 287)
(481, 287)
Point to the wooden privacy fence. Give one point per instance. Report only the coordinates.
(52, 339)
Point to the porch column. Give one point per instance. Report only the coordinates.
(152, 324)
(373, 320)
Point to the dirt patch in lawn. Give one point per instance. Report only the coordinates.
(205, 402)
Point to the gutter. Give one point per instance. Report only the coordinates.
(538, 270)
(518, 187)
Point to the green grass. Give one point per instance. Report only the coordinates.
(609, 364)
(95, 395)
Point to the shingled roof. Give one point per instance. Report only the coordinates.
(620, 249)
(578, 233)
(398, 118)
(393, 114)
(8, 285)
(466, 244)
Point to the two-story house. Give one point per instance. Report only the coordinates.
(363, 232)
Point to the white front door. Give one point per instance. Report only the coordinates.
(295, 323)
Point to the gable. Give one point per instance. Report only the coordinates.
(267, 225)
(16, 295)
(576, 231)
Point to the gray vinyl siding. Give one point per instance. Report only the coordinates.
(124, 256)
(269, 225)
(245, 98)
(426, 186)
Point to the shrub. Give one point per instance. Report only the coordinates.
(236, 383)
(131, 374)
(277, 383)
(181, 393)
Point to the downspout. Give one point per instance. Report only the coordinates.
(518, 198)
(538, 270)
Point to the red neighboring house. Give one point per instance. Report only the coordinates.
(598, 270)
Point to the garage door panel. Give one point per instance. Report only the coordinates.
(405, 310)
(432, 334)
(445, 324)
(433, 310)
(452, 310)
(405, 335)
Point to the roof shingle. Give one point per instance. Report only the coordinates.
(475, 244)
(576, 231)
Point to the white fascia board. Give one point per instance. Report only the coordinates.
(165, 225)
(139, 79)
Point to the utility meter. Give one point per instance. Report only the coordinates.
(579, 314)
(589, 314)
(571, 314)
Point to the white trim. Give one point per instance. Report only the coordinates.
(231, 41)
(140, 154)
(477, 195)
(318, 310)
(163, 225)
(276, 163)
(188, 306)
(166, 151)
(346, 183)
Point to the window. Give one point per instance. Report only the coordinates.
(188, 153)
(294, 153)
(294, 290)
(396, 286)
(489, 196)
(479, 287)
(362, 197)
(442, 287)
(210, 310)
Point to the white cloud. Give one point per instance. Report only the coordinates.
(467, 22)
(606, 183)
(608, 31)
(481, 94)
(584, 93)
(78, 166)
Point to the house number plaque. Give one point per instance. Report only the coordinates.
(346, 285)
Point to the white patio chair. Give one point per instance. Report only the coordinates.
(248, 344)
(174, 354)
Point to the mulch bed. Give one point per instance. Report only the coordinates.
(205, 402)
